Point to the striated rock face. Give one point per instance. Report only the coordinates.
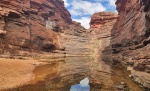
(130, 24)
(101, 26)
(29, 24)
(131, 38)
(103, 21)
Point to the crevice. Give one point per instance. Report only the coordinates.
(13, 15)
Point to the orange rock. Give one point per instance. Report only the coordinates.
(131, 38)
(103, 21)
(31, 23)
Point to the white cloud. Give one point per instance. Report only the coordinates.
(84, 82)
(112, 2)
(66, 3)
(81, 10)
(85, 8)
(84, 22)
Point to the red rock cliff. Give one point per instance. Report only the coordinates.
(132, 22)
(28, 24)
(131, 38)
(100, 31)
(103, 21)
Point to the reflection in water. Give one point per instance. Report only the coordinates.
(83, 86)
(42, 71)
(60, 76)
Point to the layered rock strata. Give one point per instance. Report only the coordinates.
(100, 29)
(100, 26)
(103, 21)
(30, 24)
(131, 38)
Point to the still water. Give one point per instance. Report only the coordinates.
(77, 74)
(83, 86)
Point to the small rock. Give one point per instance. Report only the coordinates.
(137, 80)
(147, 85)
(3, 32)
(120, 87)
(123, 83)
(130, 76)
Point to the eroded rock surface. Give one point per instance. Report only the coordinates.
(30, 24)
(101, 26)
(100, 33)
(103, 21)
(131, 38)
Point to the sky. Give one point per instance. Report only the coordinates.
(81, 10)
(83, 86)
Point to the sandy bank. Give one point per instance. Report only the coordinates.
(15, 72)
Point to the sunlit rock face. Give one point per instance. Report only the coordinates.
(100, 33)
(103, 21)
(131, 38)
(100, 26)
(29, 24)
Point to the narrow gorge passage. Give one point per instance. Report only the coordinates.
(83, 60)
(74, 45)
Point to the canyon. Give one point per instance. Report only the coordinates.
(42, 48)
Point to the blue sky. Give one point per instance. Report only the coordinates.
(83, 86)
(81, 10)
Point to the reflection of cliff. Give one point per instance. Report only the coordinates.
(101, 25)
(51, 70)
(57, 76)
(126, 36)
(29, 24)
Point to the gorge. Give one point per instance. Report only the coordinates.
(43, 49)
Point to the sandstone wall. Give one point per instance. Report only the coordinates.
(100, 26)
(29, 24)
(103, 21)
(131, 38)
(132, 26)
